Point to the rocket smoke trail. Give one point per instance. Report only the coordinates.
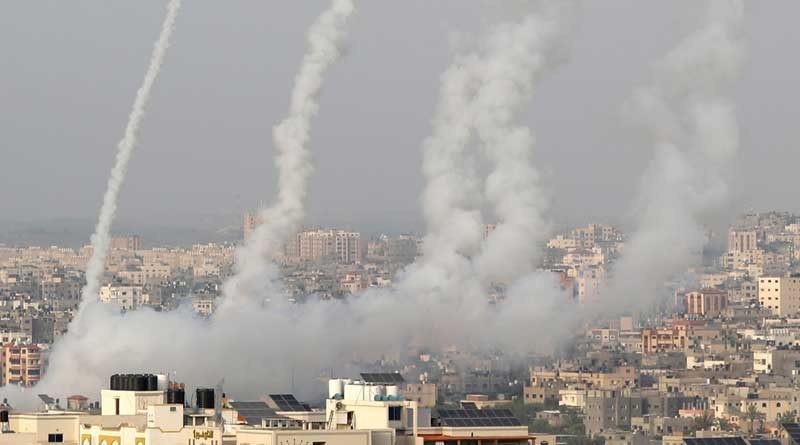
(484, 92)
(451, 198)
(519, 54)
(101, 237)
(696, 136)
(255, 271)
(319, 333)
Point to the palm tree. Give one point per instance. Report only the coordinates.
(787, 417)
(752, 414)
(704, 421)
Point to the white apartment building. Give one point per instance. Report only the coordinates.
(127, 297)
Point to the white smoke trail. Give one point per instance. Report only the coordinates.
(484, 92)
(256, 346)
(451, 198)
(102, 234)
(256, 272)
(518, 55)
(696, 136)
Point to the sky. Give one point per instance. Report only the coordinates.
(70, 70)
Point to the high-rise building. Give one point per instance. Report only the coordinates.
(126, 242)
(325, 245)
(742, 240)
(251, 221)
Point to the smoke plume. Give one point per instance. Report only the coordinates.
(693, 124)
(520, 54)
(260, 345)
(256, 273)
(102, 233)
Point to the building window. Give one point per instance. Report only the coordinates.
(395, 413)
(55, 438)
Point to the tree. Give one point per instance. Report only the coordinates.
(787, 417)
(752, 414)
(704, 421)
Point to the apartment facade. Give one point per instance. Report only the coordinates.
(22, 364)
(781, 295)
(705, 302)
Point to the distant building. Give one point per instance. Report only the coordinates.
(22, 364)
(126, 242)
(656, 340)
(781, 295)
(706, 302)
(250, 222)
(340, 246)
(127, 297)
(742, 240)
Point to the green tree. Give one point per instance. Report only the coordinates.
(704, 421)
(787, 417)
(752, 415)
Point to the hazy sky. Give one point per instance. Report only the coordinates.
(70, 70)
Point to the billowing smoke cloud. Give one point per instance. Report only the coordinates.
(521, 53)
(696, 137)
(259, 347)
(102, 234)
(256, 272)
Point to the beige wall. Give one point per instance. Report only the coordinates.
(40, 425)
(352, 437)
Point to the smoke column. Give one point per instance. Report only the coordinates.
(255, 270)
(451, 198)
(303, 341)
(519, 54)
(693, 123)
(102, 236)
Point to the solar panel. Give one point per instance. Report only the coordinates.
(393, 378)
(469, 405)
(478, 417)
(287, 402)
(715, 441)
(794, 431)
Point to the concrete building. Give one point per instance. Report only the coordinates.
(784, 362)
(705, 302)
(22, 364)
(780, 295)
(127, 297)
(656, 340)
(340, 246)
(742, 240)
(126, 242)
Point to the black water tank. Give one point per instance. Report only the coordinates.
(3, 416)
(205, 398)
(141, 382)
(115, 382)
(130, 382)
(176, 396)
(152, 382)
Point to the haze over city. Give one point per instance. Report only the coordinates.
(338, 222)
(205, 153)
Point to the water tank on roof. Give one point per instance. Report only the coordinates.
(335, 386)
(205, 398)
(176, 396)
(152, 382)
